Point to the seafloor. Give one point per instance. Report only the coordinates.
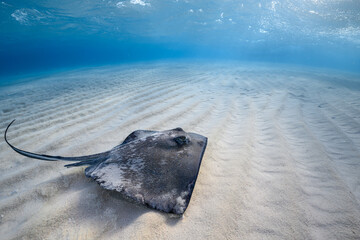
(282, 161)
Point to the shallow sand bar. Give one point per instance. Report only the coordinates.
(282, 162)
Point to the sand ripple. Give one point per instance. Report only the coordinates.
(282, 162)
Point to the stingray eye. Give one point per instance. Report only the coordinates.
(181, 140)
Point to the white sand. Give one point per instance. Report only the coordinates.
(282, 162)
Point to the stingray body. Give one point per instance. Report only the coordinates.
(155, 168)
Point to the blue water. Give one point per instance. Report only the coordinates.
(47, 35)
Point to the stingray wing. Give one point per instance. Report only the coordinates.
(138, 134)
(152, 173)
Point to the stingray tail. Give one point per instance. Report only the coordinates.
(83, 160)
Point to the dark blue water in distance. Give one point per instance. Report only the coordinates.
(45, 35)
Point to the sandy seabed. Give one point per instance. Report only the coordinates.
(282, 161)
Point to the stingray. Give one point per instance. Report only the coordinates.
(154, 168)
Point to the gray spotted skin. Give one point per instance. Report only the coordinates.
(155, 168)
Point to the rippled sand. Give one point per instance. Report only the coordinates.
(282, 162)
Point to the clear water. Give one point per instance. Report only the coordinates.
(274, 86)
(45, 35)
